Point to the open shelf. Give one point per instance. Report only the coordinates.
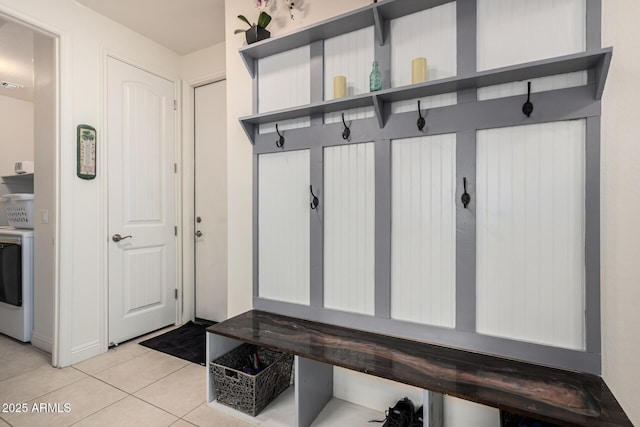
(17, 176)
(281, 412)
(374, 14)
(597, 60)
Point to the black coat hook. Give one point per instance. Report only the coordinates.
(421, 121)
(527, 107)
(314, 201)
(466, 198)
(280, 141)
(346, 133)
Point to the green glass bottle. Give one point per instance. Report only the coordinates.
(375, 79)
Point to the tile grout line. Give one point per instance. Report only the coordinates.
(101, 409)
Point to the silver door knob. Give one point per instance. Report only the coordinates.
(116, 237)
(198, 233)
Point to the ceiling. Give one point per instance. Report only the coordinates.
(183, 26)
(16, 59)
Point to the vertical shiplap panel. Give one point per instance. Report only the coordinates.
(349, 55)
(423, 230)
(284, 81)
(516, 31)
(430, 34)
(349, 228)
(283, 226)
(530, 233)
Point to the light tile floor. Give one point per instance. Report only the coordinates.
(130, 385)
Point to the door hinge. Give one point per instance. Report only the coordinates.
(175, 168)
(176, 293)
(175, 105)
(175, 230)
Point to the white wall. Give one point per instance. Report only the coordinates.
(86, 37)
(16, 137)
(620, 207)
(44, 188)
(16, 142)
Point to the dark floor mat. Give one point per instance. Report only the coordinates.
(187, 342)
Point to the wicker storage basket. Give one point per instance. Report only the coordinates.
(246, 392)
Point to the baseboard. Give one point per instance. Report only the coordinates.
(42, 343)
(85, 351)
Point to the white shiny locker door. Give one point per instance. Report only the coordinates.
(349, 228)
(283, 226)
(423, 230)
(530, 223)
(516, 31)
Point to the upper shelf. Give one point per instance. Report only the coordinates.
(597, 60)
(374, 14)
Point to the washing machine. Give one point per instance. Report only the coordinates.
(16, 283)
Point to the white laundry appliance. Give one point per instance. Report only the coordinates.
(16, 280)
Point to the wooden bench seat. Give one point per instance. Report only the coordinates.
(554, 395)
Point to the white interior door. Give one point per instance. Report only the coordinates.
(211, 201)
(141, 178)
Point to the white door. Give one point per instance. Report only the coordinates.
(211, 201)
(142, 202)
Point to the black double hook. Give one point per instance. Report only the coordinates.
(314, 201)
(280, 141)
(346, 133)
(421, 121)
(466, 198)
(527, 107)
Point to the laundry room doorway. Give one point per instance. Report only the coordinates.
(30, 106)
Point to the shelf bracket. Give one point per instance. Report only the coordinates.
(378, 25)
(601, 71)
(378, 106)
(250, 130)
(250, 63)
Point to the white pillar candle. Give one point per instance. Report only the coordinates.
(419, 70)
(339, 87)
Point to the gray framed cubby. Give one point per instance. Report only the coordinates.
(464, 118)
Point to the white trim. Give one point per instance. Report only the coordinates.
(41, 342)
(188, 190)
(85, 351)
(62, 337)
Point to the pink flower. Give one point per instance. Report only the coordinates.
(262, 4)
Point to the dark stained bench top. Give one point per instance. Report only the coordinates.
(554, 395)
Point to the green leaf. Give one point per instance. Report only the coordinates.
(244, 19)
(238, 31)
(264, 19)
